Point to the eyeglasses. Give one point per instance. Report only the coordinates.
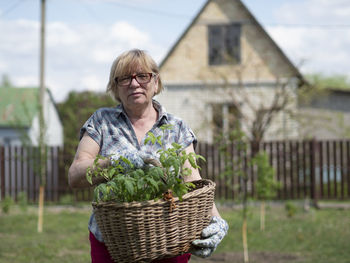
(141, 78)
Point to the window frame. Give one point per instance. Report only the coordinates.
(224, 122)
(224, 43)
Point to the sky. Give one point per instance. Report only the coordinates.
(83, 37)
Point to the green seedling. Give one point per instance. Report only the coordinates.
(125, 183)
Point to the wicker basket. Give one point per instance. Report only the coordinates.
(144, 231)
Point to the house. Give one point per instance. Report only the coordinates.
(325, 114)
(225, 69)
(19, 117)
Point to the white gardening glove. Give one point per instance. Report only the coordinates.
(133, 156)
(211, 237)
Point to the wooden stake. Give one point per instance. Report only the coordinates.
(41, 209)
(42, 145)
(262, 215)
(245, 241)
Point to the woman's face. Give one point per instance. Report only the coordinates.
(135, 93)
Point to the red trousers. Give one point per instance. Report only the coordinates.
(99, 254)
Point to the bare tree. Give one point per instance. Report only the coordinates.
(255, 107)
(243, 112)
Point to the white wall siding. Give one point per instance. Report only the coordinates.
(53, 126)
(192, 104)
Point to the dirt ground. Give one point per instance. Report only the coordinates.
(257, 257)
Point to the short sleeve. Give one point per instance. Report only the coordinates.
(93, 128)
(186, 136)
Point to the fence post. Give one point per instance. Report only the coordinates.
(314, 195)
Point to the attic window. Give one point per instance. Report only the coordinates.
(224, 44)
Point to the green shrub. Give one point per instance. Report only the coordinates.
(6, 203)
(291, 209)
(22, 201)
(66, 199)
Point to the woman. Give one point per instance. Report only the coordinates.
(134, 80)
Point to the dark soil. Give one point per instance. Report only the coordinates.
(254, 257)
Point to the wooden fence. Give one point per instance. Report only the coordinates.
(19, 170)
(306, 169)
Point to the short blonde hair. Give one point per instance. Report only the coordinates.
(125, 64)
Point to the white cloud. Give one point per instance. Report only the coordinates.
(78, 57)
(91, 82)
(314, 11)
(20, 36)
(125, 31)
(60, 34)
(318, 42)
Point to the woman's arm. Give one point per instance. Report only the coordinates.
(196, 176)
(84, 158)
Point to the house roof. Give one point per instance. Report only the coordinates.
(254, 20)
(18, 106)
(172, 49)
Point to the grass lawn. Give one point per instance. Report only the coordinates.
(314, 236)
(64, 237)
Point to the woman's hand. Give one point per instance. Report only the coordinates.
(133, 156)
(211, 237)
(138, 159)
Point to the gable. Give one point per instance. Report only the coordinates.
(259, 56)
(18, 106)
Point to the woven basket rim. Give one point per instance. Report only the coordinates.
(207, 187)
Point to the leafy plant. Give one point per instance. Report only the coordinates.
(266, 184)
(66, 199)
(22, 201)
(74, 111)
(6, 203)
(126, 183)
(290, 208)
